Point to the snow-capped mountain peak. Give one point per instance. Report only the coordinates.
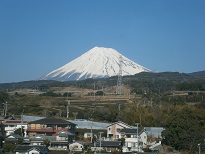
(98, 62)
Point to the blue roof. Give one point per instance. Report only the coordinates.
(86, 124)
(31, 118)
(154, 131)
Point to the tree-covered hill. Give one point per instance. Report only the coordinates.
(140, 82)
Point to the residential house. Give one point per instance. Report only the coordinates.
(61, 140)
(11, 125)
(50, 126)
(57, 132)
(30, 149)
(76, 147)
(40, 139)
(113, 130)
(135, 139)
(14, 138)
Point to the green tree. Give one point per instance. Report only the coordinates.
(99, 93)
(185, 129)
(19, 131)
(8, 147)
(3, 97)
(46, 142)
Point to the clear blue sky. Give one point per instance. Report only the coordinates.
(38, 36)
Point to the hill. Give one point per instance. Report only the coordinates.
(143, 80)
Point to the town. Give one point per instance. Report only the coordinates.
(82, 117)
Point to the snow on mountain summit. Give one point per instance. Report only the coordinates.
(98, 62)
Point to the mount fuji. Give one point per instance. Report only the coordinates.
(98, 62)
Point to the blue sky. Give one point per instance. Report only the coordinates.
(38, 36)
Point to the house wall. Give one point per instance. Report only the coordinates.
(114, 130)
(132, 145)
(58, 138)
(11, 128)
(143, 139)
(76, 147)
(87, 135)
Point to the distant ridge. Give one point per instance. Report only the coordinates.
(98, 62)
(200, 74)
(174, 77)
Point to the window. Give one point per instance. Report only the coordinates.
(118, 129)
(116, 136)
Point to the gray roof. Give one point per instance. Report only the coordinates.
(86, 124)
(17, 136)
(31, 118)
(51, 121)
(120, 123)
(25, 148)
(64, 134)
(42, 137)
(132, 131)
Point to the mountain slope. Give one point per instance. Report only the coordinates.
(98, 62)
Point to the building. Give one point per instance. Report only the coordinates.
(76, 147)
(30, 149)
(50, 126)
(13, 138)
(135, 139)
(11, 125)
(113, 130)
(61, 140)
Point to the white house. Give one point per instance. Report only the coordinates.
(76, 146)
(135, 140)
(113, 130)
(12, 125)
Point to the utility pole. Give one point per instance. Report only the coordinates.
(22, 123)
(94, 91)
(129, 94)
(91, 137)
(68, 108)
(119, 107)
(5, 109)
(199, 145)
(100, 141)
(137, 137)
